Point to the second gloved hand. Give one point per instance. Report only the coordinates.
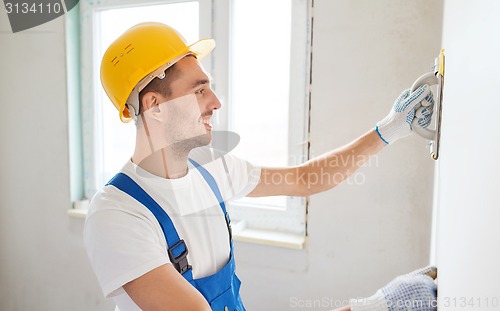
(415, 291)
(398, 123)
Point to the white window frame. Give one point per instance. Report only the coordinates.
(254, 223)
(274, 226)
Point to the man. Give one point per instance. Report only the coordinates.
(158, 235)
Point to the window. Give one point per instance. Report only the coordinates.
(261, 74)
(265, 91)
(260, 86)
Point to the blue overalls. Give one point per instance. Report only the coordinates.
(221, 289)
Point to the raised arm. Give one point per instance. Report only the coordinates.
(321, 173)
(330, 169)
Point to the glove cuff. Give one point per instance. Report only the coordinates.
(388, 131)
(376, 302)
(377, 129)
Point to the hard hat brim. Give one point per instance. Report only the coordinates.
(202, 48)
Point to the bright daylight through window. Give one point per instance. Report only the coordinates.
(260, 84)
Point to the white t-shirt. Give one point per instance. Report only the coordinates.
(124, 240)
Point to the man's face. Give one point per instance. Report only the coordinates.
(195, 81)
(183, 119)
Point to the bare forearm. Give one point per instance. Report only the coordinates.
(321, 173)
(328, 170)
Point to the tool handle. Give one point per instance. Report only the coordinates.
(424, 132)
(430, 79)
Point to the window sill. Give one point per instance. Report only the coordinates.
(240, 232)
(266, 237)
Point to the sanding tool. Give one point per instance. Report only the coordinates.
(434, 77)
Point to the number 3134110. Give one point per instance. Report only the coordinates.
(32, 8)
(463, 302)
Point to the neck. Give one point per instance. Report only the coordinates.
(167, 162)
(157, 156)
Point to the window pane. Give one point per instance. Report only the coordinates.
(118, 139)
(260, 80)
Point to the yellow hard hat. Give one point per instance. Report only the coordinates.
(139, 55)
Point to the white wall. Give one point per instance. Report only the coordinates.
(468, 251)
(43, 264)
(360, 236)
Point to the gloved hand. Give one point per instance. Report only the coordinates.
(415, 291)
(398, 123)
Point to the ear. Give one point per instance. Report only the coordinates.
(149, 100)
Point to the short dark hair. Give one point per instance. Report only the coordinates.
(161, 86)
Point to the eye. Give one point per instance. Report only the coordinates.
(200, 91)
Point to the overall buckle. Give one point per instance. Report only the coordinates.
(228, 224)
(180, 262)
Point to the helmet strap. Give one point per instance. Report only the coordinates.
(133, 104)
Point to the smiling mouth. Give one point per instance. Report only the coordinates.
(206, 120)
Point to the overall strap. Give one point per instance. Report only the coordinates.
(177, 250)
(210, 180)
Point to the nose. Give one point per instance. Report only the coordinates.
(215, 102)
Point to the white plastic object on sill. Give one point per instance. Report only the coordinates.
(80, 209)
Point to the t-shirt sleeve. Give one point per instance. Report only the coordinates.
(121, 247)
(235, 177)
(242, 176)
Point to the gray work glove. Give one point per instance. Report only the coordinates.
(398, 123)
(415, 291)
